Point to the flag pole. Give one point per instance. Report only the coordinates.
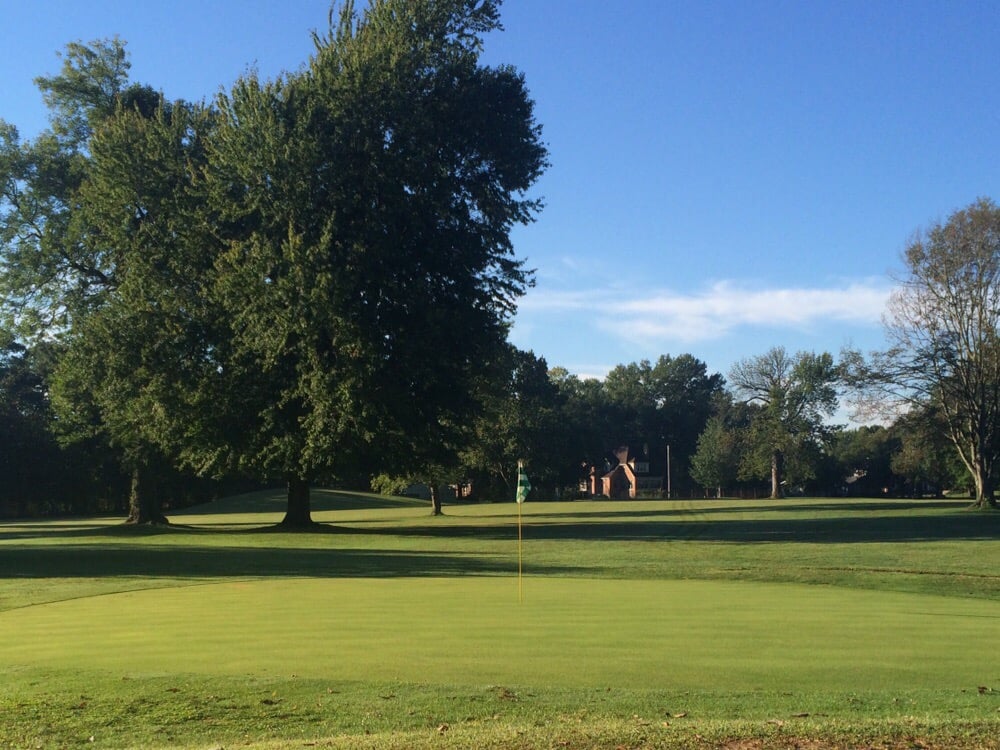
(523, 488)
(520, 595)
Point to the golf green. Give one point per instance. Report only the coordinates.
(669, 634)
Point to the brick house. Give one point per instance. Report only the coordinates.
(629, 479)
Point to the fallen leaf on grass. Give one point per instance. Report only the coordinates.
(443, 728)
(777, 722)
(681, 715)
(800, 716)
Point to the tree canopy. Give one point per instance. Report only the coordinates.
(943, 325)
(309, 279)
(795, 394)
(75, 217)
(365, 205)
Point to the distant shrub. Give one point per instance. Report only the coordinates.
(389, 485)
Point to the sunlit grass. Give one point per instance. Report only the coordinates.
(651, 623)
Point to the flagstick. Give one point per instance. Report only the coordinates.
(520, 596)
(523, 488)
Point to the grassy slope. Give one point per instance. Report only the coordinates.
(634, 613)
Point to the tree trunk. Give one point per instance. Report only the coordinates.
(984, 490)
(435, 500)
(298, 513)
(143, 505)
(777, 460)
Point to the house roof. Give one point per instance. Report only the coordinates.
(628, 470)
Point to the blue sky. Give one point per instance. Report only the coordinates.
(726, 176)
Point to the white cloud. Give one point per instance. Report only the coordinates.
(720, 310)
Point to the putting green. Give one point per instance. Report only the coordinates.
(566, 632)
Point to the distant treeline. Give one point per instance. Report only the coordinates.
(563, 426)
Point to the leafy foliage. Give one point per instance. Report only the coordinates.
(795, 394)
(716, 460)
(310, 280)
(365, 205)
(944, 331)
(522, 421)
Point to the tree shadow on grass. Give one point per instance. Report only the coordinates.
(854, 522)
(186, 559)
(121, 530)
(838, 530)
(23, 530)
(877, 506)
(321, 499)
(88, 561)
(686, 508)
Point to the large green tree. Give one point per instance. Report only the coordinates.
(58, 271)
(943, 327)
(316, 288)
(796, 394)
(131, 361)
(368, 274)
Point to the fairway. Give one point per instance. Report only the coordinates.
(865, 616)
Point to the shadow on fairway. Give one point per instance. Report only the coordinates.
(694, 508)
(959, 525)
(46, 530)
(851, 522)
(72, 561)
(19, 530)
(322, 500)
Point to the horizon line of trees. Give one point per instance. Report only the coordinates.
(724, 439)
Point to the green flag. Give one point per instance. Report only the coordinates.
(523, 485)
